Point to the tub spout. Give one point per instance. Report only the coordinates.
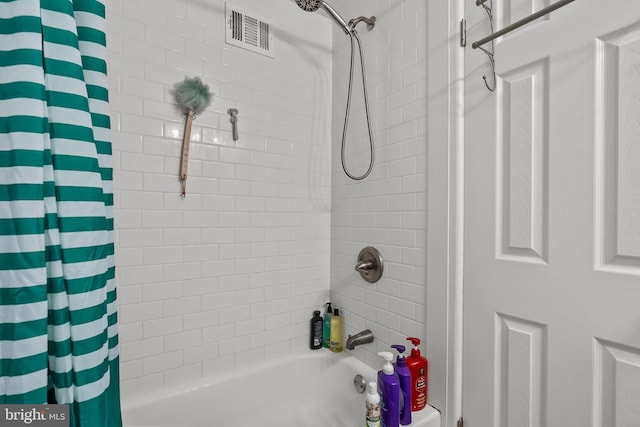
(364, 337)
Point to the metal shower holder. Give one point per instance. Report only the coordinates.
(370, 264)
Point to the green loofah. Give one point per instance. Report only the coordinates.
(192, 93)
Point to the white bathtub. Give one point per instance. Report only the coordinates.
(305, 389)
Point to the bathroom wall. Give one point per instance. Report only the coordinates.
(387, 209)
(230, 274)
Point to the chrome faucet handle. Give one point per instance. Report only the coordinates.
(370, 264)
(364, 267)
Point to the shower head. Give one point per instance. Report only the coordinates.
(309, 5)
(313, 5)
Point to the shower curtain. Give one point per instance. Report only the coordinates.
(58, 337)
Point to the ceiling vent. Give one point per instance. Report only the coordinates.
(248, 31)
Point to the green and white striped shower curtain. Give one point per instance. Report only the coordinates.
(58, 337)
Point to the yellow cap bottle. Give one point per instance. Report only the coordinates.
(335, 337)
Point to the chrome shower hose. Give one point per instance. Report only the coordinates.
(353, 35)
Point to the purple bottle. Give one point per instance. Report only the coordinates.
(404, 376)
(389, 388)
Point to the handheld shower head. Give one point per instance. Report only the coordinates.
(313, 5)
(309, 5)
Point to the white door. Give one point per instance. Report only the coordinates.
(552, 218)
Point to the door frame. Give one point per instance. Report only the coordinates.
(445, 208)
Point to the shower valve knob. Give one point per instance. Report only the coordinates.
(370, 264)
(364, 267)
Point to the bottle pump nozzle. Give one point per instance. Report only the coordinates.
(414, 341)
(400, 349)
(329, 309)
(387, 368)
(400, 361)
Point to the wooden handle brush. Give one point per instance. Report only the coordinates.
(193, 96)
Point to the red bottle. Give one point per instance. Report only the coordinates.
(418, 367)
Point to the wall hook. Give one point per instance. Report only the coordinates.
(233, 112)
(490, 52)
(493, 70)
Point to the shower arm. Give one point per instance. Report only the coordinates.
(351, 25)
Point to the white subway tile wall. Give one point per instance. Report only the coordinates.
(229, 275)
(388, 209)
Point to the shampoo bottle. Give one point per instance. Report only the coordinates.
(315, 333)
(335, 335)
(326, 328)
(389, 387)
(372, 404)
(418, 366)
(404, 376)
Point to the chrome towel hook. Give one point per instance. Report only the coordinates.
(490, 52)
(491, 37)
(233, 112)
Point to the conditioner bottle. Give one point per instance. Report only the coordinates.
(418, 366)
(326, 328)
(389, 387)
(335, 337)
(404, 376)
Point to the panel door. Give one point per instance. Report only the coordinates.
(552, 218)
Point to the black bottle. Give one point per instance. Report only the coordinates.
(315, 334)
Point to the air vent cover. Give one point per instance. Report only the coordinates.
(248, 31)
